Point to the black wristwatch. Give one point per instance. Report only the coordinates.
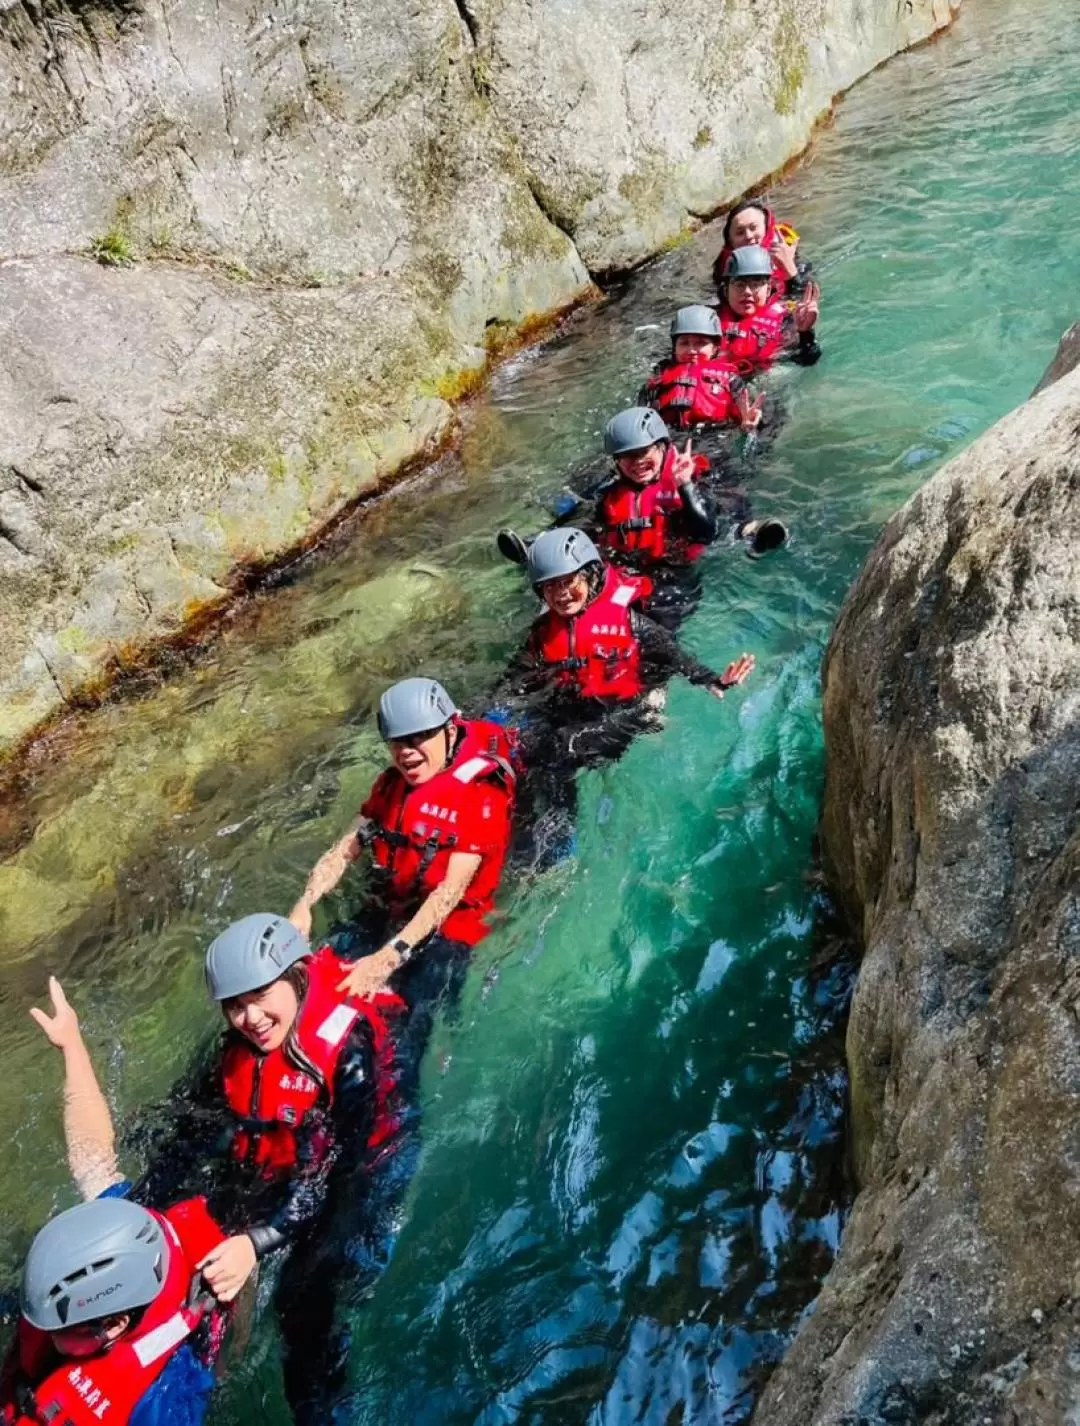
(403, 949)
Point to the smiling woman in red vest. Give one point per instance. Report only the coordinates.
(437, 825)
(752, 224)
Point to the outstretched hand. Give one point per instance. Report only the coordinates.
(749, 412)
(807, 308)
(62, 1026)
(736, 672)
(371, 973)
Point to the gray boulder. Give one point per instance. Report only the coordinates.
(952, 719)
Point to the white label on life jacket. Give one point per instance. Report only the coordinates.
(467, 771)
(161, 1340)
(337, 1024)
(624, 595)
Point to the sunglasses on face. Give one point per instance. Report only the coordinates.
(414, 740)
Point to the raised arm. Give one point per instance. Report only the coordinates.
(88, 1125)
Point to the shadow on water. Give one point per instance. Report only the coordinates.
(631, 1179)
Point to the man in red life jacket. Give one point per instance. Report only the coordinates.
(437, 823)
(111, 1310)
(756, 327)
(697, 386)
(753, 224)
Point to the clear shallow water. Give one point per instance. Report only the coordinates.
(630, 1183)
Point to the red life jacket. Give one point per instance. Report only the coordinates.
(780, 277)
(464, 808)
(753, 343)
(689, 393)
(272, 1095)
(42, 1389)
(637, 519)
(596, 652)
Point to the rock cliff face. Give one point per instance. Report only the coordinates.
(952, 716)
(313, 221)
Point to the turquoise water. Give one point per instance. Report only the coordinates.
(632, 1177)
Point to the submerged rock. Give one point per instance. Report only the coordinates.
(952, 719)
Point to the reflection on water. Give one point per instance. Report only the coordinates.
(630, 1183)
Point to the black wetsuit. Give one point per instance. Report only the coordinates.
(562, 731)
(676, 581)
(327, 1210)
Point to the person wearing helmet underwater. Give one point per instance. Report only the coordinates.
(114, 1327)
(299, 1100)
(116, 1324)
(753, 224)
(757, 328)
(437, 824)
(696, 386)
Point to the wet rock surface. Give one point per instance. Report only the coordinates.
(249, 257)
(952, 700)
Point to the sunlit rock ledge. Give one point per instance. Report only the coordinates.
(250, 258)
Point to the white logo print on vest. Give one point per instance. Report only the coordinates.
(444, 814)
(84, 1385)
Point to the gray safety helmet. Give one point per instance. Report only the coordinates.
(415, 705)
(560, 552)
(695, 321)
(252, 953)
(750, 261)
(91, 1261)
(633, 430)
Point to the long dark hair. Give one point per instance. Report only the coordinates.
(297, 976)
